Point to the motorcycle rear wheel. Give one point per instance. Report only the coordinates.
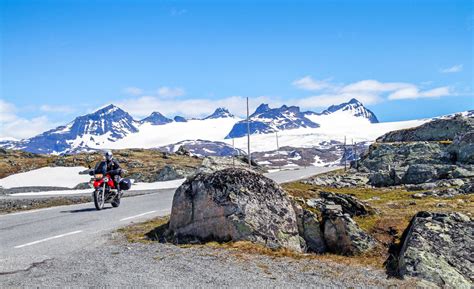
(99, 200)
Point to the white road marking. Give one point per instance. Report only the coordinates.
(136, 216)
(47, 239)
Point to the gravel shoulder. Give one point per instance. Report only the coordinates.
(112, 261)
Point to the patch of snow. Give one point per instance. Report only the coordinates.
(67, 177)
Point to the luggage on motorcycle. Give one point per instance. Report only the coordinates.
(125, 184)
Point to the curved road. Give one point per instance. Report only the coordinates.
(31, 237)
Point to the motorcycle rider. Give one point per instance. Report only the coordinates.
(110, 166)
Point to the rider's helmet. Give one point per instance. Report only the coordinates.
(108, 156)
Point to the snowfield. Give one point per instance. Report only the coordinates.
(67, 177)
(151, 136)
(334, 126)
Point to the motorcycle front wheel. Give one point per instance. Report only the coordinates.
(99, 199)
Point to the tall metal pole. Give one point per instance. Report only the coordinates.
(355, 153)
(248, 135)
(233, 153)
(345, 155)
(278, 148)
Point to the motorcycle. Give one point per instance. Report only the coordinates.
(105, 191)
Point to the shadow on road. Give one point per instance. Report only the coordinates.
(84, 210)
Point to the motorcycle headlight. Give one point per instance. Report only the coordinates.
(99, 176)
(106, 179)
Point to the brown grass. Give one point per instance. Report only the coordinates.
(136, 232)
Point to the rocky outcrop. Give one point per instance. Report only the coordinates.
(438, 150)
(231, 205)
(437, 130)
(438, 247)
(352, 179)
(342, 235)
(349, 205)
(170, 172)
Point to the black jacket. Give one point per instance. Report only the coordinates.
(108, 167)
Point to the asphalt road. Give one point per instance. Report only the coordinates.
(34, 236)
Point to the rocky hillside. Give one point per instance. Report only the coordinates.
(438, 150)
(140, 164)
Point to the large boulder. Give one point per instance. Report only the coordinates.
(232, 205)
(342, 235)
(437, 130)
(438, 247)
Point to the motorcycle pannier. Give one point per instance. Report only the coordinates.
(125, 184)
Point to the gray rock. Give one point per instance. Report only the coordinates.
(437, 130)
(343, 236)
(182, 151)
(212, 164)
(438, 247)
(419, 173)
(232, 205)
(463, 148)
(349, 204)
(309, 229)
(170, 172)
(468, 188)
(82, 186)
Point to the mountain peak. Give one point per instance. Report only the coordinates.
(354, 101)
(111, 108)
(156, 118)
(354, 107)
(262, 108)
(267, 120)
(220, 112)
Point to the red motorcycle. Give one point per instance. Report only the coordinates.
(105, 191)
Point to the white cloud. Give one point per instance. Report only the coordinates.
(452, 69)
(375, 86)
(367, 91)
(131, 90)
(145, 105)
(308, 83)
(325, 100)
(166, 91)
(57, 108)
(415, 93)
(13, 126)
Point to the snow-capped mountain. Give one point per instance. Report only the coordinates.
(220, 112)
(156, 118)
(105, 125)
(267, 120)
(354, 108)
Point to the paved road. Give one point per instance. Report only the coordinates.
(34, 236)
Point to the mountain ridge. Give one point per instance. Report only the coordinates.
(110, 124)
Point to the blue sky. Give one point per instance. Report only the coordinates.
(403, 59)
